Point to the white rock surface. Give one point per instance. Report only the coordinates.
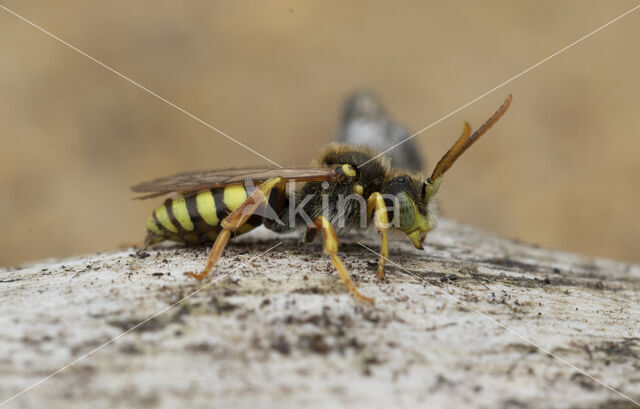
(281, 331)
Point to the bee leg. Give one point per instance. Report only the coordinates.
(151, 239)
(331, 248)
(310, 234)
(375, 202)
(233, 221)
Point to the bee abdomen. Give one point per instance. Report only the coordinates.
(196, 218)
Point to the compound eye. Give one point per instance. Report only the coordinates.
(400, 179)
(407, 212)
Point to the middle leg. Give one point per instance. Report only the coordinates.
(331, 248)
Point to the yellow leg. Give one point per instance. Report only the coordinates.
(375, 202)
(232, 222)
(331, 248)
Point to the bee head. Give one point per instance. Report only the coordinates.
(413, 194)
(408, 207)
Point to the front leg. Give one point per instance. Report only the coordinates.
(376, 202)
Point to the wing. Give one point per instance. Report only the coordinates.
(198, 180)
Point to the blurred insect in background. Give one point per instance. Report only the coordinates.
(212, 205)
(365, 123)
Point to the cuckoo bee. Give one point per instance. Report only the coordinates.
(211, 206)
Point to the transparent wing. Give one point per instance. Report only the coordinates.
(198, 180)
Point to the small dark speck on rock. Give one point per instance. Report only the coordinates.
(140, 254)
(200, 347)
(221, 306)
(583, 381)
(157, 274)
(130, 349)
(315, 343)
(281, 345)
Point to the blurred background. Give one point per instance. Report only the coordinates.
(561, 169)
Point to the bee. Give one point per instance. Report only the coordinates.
(347, 187)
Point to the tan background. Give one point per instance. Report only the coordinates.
(561, 169)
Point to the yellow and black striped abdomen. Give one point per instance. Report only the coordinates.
(196, 218)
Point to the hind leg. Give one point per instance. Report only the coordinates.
(233, 221)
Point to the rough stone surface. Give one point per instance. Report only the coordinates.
(281, 330)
